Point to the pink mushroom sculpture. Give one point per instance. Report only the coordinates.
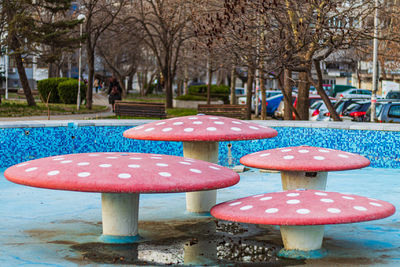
(304, 166)
(302, 215)
(200, 135)
(121, 177)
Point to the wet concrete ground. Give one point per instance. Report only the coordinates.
(41, 227)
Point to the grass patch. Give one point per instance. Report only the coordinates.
(149, 98)
(21, 109)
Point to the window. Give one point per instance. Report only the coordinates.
(394, 111)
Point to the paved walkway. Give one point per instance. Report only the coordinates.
(98, 99)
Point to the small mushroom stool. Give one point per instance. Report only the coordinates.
(304, 167)
(121, 177)
(302, 215)
(200, 135)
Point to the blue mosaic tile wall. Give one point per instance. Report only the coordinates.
(22, 144)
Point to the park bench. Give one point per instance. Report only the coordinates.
(232, 111)
(140, 109)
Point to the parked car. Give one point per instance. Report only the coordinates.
(393, 95)
(342, 104)
(272, 104)
(242, 100)
(385, 112)
(319, 111)
(239, 92)
(357, 111)
(355, 93)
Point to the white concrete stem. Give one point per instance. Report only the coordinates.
(201, 201)
(302, 237)
(306, 180)
(120, 214)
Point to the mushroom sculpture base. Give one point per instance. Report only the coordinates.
(120, 217)
(296, 179)
(201, 202)
(302, 242)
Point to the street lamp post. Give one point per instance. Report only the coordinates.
(78, 100)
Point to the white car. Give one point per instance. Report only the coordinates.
(355, 93)
(319, 112)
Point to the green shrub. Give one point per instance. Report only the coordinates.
(50, 85)
(191, 98)
(216, 91)
(68, 91)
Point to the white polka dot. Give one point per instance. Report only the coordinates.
(303, 211)
(333, 210)
(235, 203)
(256, 196)
(286, 150)
(265, 154)
(83, 174)
(66, 161)
(156, 157)
(320, 194)
(58, 158)
(288, 157)
(345, 197)
(189, 159)
(94, 155)
(214, 168)
(177, 123)
(236, 122)
(83, 163)
(195, 170)
(161, 164)
(185, 163)
(271, 210)
(211, 129)
(111, 157)
(198, 122)
(219, 122)
(139, 127)
(188, 130)
(303, 151)
(293, 201)
(31, 169)
(51, 173)
(246, 207)
(326, 200)
(265, 198)
(167, 129)
(323, 150)
(105, 165)
(133, 166)
(149, 129)
(135, 158)
(214, 118)
(192, 118)
(236, 129)
(254, 128)
(375, 204)
(360, 208)
(164, 174)
(124, 175)
(343, 156)
(292, 194)
(22, 164)
(319, 157)
(161, 123)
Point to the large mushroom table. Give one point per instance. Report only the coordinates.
(304, 166)
(200, 135)
(302, 215)
(121, 177)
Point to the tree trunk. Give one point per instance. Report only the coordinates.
(130, 82)
(186, 81)
(288, 100)
(322, 93)
(303, 97)
(24, 80)
(263, 95)
(168, 88)
(89, 89)
(52, 70)
(209, 80)
(250, 79)
(233, 82)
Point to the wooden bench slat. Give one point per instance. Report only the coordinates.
(140, 109)
(232, 111)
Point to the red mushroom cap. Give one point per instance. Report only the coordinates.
(303, 207)
(304, 158)
(122, 173)
(200, 128)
